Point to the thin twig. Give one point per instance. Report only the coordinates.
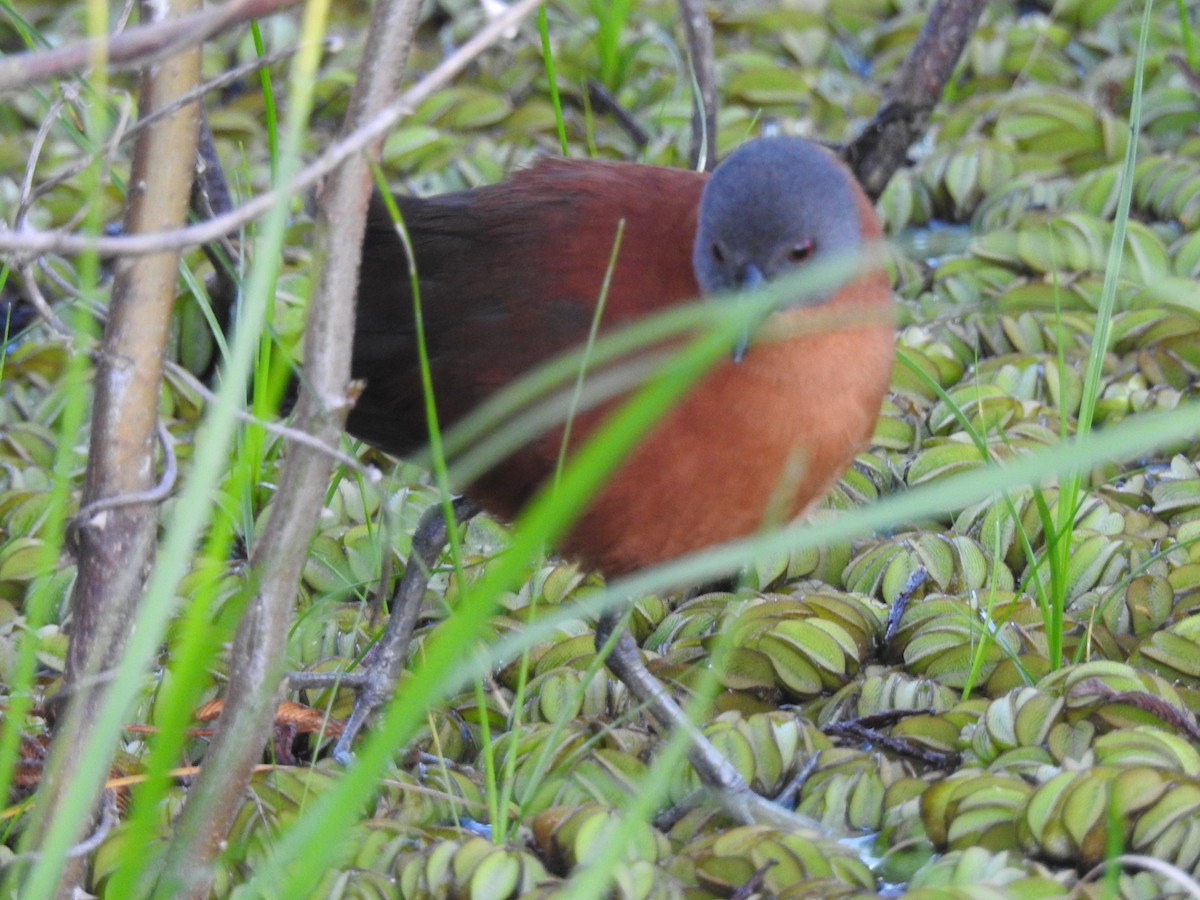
(60, 281)
(108, 819)
(211, 198)
(1150, 864)
(186, 380)
(135, 47)
(39, 242)
(33, 293)
(213, 84)
(603, 100)
(107, 152)
(292, 435)
(160, 491)
(752, 886)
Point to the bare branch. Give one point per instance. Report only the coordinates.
(108, 819)
(292, 435)
(135, 47)
(882, 148)
(1190, 75)
(35, 243)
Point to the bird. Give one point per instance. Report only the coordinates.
(509, 275)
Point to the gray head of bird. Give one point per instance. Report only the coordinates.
(773, 205)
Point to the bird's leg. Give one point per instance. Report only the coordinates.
(382, 669)
(387, 656)
(715, 771)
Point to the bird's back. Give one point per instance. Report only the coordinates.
(509, 276)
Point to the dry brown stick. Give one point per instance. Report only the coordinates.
(117, 550)
(106, 153)
(699, 32)
(130, 365)
(882, 148)
(138, 46)
(256, 663)
(92, 512)
(36, 243)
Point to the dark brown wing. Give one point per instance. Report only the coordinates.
(509, 276)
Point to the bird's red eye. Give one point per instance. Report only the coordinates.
(718, 253)
(800, 252)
